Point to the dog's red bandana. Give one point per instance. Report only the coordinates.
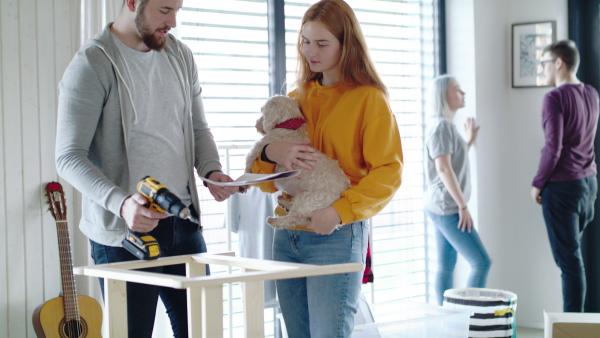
(291, 124)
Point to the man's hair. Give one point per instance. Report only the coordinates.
(142, 2)
(437, 105)
(567, 51)
(356, 67)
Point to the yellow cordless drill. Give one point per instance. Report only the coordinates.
(160, 199)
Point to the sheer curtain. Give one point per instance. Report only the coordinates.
(94, 16)
(584, 29)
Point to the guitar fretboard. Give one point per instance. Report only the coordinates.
(66, 262)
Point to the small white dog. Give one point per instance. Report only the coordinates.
(314, 189)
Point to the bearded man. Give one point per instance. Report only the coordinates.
(129, 107)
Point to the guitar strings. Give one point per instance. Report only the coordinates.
(72, 308)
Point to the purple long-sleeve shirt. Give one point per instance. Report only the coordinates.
(569, 119)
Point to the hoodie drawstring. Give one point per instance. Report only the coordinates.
(135, 116)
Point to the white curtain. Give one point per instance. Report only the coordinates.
(94, 16)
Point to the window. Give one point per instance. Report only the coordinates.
(230, 42)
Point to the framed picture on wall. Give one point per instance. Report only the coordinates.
(528, 42)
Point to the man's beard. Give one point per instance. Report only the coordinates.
(148, 36)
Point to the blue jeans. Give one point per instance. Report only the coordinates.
(175, 237)
(568, 207)
(321, 306)
(450, 240)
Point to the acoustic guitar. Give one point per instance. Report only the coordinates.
(69, 315)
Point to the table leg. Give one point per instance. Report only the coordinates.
(115, 293)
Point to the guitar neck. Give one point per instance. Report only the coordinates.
(66, 271)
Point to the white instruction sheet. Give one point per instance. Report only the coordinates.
(248, 179)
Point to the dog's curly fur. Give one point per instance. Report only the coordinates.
(312, 189)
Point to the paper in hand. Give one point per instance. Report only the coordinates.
(248, 179)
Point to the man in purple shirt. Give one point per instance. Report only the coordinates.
(565, 184)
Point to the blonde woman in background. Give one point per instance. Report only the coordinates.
(449, 187)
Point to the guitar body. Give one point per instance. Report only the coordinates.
(68, 316)
(49, 319)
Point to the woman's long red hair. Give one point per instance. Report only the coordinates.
(356, 67)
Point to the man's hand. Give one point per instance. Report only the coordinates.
(221, 193)
(536, 195)
(324, 221)
(288, 153)
(137, 216)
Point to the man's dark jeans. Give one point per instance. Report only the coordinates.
(175, 237)
(568, 207)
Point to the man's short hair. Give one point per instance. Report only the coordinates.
(141, 3)
(567, 51)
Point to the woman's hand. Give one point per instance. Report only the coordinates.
(466, 221)
(324, 221)
(288, 153)
(471, 129)
(443, 165)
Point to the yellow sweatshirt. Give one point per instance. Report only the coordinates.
(357, 128)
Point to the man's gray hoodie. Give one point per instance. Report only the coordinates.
(95, 115)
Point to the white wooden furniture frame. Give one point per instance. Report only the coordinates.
(204, 293)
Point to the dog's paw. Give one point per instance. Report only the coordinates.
(277, 223)
(286, 222)
(285, 201)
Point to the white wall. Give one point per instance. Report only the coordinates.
(508, 147)
(37, 41)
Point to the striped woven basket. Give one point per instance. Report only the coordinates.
(493, 311)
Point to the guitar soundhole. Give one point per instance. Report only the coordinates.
(72, 328)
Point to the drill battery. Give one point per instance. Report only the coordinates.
(143, 246)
